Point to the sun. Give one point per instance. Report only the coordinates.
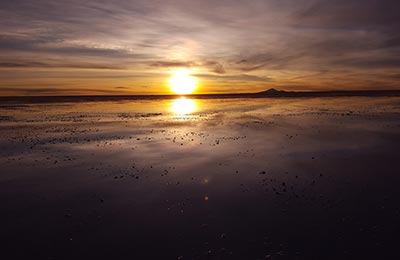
(182, 82)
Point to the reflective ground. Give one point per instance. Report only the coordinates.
(201, 179)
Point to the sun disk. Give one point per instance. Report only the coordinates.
(182, 82)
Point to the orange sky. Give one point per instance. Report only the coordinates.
(132, 47)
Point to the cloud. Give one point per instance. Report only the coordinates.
(57, 90)
(240, 77)
(212, 66)
(172, 64)
(287, 39)
(33, 64)
(365, 14)
(215, 67)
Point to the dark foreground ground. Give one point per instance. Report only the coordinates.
(307, 178)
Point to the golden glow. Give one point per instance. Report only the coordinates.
(183, 106)
(182, 83)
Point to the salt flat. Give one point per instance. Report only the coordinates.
(284, 178)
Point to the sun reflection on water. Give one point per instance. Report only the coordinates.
(183, 106)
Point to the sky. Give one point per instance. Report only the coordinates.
(75, 47)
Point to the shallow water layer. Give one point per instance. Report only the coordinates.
(201, 179)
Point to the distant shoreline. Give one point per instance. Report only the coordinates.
(271, 93)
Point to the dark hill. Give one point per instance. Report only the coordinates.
(335, 93)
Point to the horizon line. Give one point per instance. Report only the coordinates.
(272, 92)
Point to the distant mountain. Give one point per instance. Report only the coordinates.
(333, 93)
(272, 92)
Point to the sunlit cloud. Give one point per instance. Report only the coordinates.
(283, 40)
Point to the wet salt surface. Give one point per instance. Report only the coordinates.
(236, 179)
